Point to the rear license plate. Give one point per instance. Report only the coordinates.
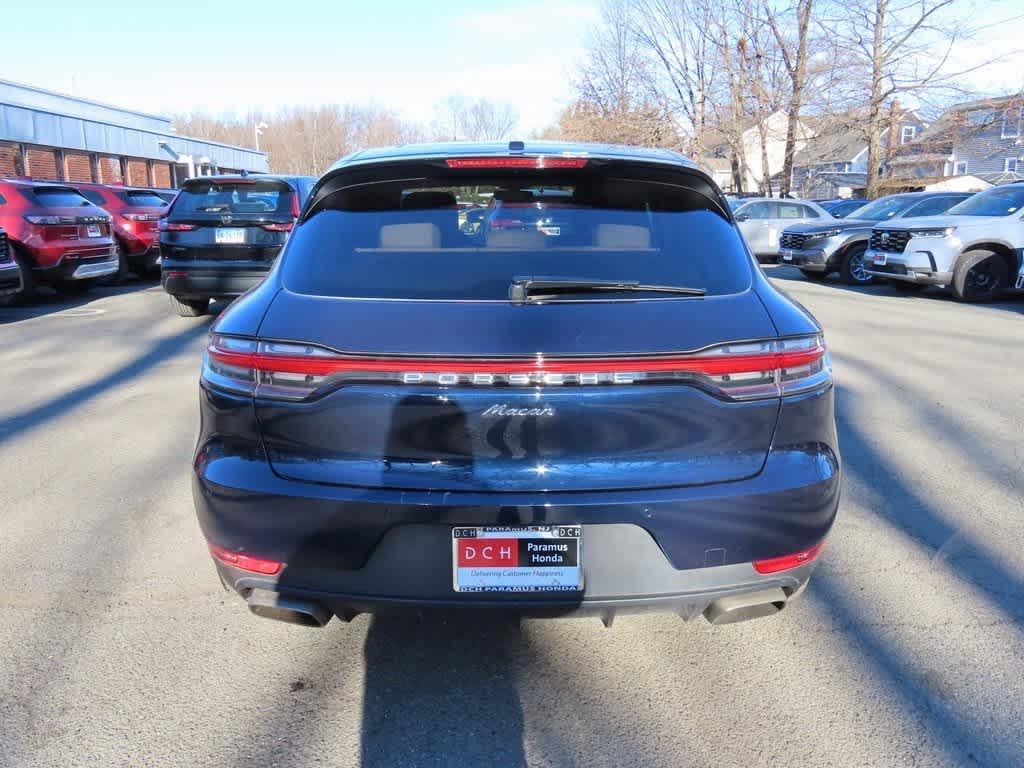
(92, 230)
(879, 259)
(232, 236)
(539, 558)
(787, 255)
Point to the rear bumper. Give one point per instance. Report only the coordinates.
(10, 278)
(72, 268)
(356, 549)
(210, 279)
(624, 572)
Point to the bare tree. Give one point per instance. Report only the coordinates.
(793, 48)
(305, 140)
(615, 101)
(686, 71)
(893, 49)
(479, 120)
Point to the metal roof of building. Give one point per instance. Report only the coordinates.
(33, 115)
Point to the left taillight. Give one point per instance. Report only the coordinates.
(278, 227)
(787, 562)
(173, 226)
(744, 371)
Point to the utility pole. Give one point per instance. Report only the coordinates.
(257, 131)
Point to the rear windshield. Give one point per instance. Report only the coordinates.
(439, 238)
(55, 197)
(998, 201)
(92, 196)
(141, 197)
(257, 198)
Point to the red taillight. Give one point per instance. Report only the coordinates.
(784, 563)
(285, 227)
(47, 221)
(176, 273)
(172, 226)
(746, 371)
(246, 562)
(517, 162)
(141, 216)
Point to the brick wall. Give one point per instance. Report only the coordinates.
(8, 160)
(162, 175)
(42, 163)
(77, 166)
(110, 170)
(138, 173)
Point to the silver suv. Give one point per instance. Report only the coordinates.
(975, 249)
(839, 246)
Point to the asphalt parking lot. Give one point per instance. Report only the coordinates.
(119, 648)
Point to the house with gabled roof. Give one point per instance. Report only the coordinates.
(982, 138)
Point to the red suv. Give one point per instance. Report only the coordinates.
(135, 212)
(55, 235)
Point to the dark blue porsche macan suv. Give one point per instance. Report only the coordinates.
(589, 402)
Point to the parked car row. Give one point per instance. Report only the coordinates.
(68, 236)
(970, 243)
(822, 248)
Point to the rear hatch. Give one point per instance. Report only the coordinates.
(61, 215)
(395, 358)
(245, 219)
(141, 213)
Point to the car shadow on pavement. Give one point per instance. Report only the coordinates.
(48, 301)
(160, 351)
(441, 690)
(909, 508)
(911, 679)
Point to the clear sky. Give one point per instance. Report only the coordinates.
(230, 56)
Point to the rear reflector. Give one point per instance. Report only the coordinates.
(517, 162)
(746, 371)
(784, 563)
(245, 562)
(279, 227)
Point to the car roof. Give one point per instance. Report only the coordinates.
(505, 148)
(96, 184)
(37, 183)
(249, 177)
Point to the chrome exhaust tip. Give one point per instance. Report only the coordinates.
(272, 605)
(750, 605)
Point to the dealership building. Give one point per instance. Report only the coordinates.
(55, 137)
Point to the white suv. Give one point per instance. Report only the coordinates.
(975, 248)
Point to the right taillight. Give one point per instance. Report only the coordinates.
(743, 371)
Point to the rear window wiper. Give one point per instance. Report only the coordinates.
(523, 290)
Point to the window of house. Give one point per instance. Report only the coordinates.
(1011, 124)
(960, 168)
(980, 117)
(1010, 164)
(907, 133)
